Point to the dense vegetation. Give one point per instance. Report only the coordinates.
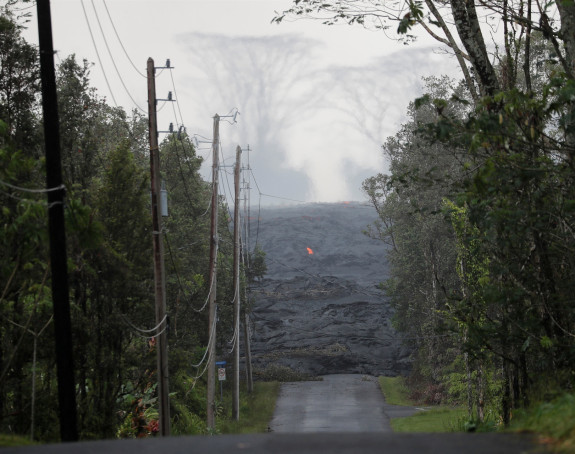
(105, 163)
(478, 205)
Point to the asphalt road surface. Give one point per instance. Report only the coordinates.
(305, 443)
(343, 414)
(338, 403)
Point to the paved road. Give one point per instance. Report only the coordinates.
(320, 443)
(346, 414)
(338, 403)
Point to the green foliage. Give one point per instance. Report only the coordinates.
(257, 267)
(7, 441)
(553, 420)
(256, 410)
(410, 18)
(139, 413)
(442, 419)
(395, 390)
(105, 165)
(458, 383)
(503, 205)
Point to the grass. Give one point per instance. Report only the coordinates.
(436, 419)
(7, 441)
(440, 419)
(553, 421)
(256, 410)
(395, 391)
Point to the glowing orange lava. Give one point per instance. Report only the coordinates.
(309, 251)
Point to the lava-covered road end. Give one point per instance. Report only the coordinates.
(328, 326)
(320, 308)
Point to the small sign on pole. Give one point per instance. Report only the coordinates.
(221, 365)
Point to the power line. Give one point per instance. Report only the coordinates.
(176, 95)
(33, 191)
(179, 280)
(98, 54)
(112, 57)
(120, 41)
(282, 198)
(259, 208)
(144, 332)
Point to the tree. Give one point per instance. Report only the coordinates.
(111, 282)
(422, 256)
(25, 305)
(19, 83)
(256, 268)
(507, 205)
(24, 296)
(466, 37)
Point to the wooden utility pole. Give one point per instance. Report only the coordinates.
(246, 248)
(236, 368)
(249, 374)
(57, 230)
(159, 271)
(211, 391)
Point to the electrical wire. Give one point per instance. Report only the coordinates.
(176, 96)
(197, 377)
(180, 282)
(98, 54)
(210, 340)
(282, 198)
(120, 41)
(259, 209)
(112, 58)
(32, 191)
(224, 194)
(233, 341)
(145, 331)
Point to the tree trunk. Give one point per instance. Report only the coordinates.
(469, 30)
(453, 45)
(480, 392)
(567, 33)
(506, 396)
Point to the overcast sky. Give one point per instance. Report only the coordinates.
(315, 102)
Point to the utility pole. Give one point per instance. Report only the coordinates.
(236, 368)
(249, 374)
(57, 230)
(158, 246)
(210, 411)
(246, 248)
(247, 193)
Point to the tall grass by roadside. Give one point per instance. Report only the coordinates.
(431, 419)
(256, 410)
(395, 391)
(440, 419)
(7, 441)
(553, 421)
